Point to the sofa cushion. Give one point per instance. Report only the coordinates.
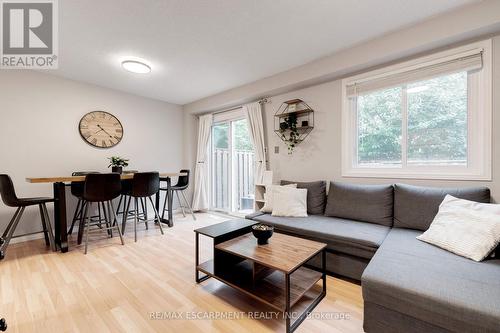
(253, 215)
(415, 207)
(430, 284)
(346, 236)
(316, 195)
(289, 202)
(367, 203)
(467, 228)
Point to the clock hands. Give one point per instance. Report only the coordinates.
(102, 129)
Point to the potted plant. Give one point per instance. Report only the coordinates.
(117, 163)
(293, 136)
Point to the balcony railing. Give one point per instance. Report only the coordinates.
(243, 178)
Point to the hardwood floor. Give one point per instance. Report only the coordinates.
(136, 287)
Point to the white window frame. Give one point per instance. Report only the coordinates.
(479, 124)
(227, 117)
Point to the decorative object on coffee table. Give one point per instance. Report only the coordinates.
(286, 120)
(117, 164)
(262, 232)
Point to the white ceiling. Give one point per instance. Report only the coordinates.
(198, 48)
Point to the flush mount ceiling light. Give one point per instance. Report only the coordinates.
(135, 66)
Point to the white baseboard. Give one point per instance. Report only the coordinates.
(26, 238)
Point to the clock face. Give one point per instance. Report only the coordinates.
(101, 129)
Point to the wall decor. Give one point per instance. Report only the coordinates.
(101, 129)
(286, 120)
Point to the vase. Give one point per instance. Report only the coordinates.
(117, 169)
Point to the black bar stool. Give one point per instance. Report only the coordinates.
(182, 184)
(100, 188)
(144, 185)
(126, 198)
(10, 199)
(77, 191)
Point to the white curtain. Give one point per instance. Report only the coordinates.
(253, 113)
(201, 181)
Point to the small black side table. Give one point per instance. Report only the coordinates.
(220, 232)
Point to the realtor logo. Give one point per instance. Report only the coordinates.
(29, 34)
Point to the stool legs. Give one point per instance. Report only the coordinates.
(144, 211)
(138, 202)
(136, 218)
(156, 214)
(7, 235)
(180, 203)
(188, 205)
(115, 222)
(110, 224)
(86, 223)
(164, 206)
(78, 215)
(11, 228)
(126, 205)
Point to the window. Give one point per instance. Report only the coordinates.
(428, 118)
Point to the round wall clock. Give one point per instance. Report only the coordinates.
(101, 129)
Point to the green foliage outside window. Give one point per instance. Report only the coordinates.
(242, 139)
(436, 128)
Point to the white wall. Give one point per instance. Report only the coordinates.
(39, 117)
(437, 32)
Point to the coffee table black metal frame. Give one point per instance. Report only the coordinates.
(231, 229)
(220, 232)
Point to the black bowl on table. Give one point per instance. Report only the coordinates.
(262, 232)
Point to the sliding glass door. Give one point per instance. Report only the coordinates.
(232, 167)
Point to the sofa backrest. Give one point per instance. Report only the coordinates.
(415, 207)
(367, 203)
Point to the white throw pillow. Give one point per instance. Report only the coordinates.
(467, 228)
(291, 202)
(268, 197)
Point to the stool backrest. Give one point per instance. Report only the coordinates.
(101, 187)
(7, 191)
(145, 184)
(77, 187)
(183, 181)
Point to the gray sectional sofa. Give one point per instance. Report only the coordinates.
(408, 285)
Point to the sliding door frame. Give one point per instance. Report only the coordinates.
(232, 183)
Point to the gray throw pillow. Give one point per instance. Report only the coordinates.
(416, 206)
(316, 195)
(367, 203)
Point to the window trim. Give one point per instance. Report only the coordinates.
(479, 124)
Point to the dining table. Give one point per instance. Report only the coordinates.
(59, 185)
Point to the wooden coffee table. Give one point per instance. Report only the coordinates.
(273, 273)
